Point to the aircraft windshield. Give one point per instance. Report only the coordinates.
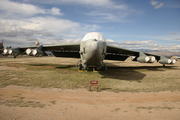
(93, 35)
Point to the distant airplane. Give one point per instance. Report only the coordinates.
(92, 50)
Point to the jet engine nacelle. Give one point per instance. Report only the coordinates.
(173, 61)
(165, 61)
(5, 51)
(143, 59)
(14, 52)
(29, 51)
(151, 59)
(37, 52)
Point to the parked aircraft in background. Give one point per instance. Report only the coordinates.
(92, 50)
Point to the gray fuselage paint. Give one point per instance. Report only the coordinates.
(93, 52)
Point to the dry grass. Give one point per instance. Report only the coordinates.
(51, 72)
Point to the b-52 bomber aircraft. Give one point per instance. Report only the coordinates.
(92, 50)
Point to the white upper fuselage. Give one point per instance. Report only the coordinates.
(93, 49)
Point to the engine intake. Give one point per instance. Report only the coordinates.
(173, 61)
(29, 51)
(152, 59)
(5, 51)
(37, 52)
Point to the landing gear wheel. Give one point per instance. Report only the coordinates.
(96, 70)
(80, 66)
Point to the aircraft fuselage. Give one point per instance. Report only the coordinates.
(93, 50)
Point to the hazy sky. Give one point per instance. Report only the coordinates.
(133, 24)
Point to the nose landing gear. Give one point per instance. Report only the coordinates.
(79, 66)
(85, 67)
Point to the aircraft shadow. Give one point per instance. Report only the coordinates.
(134, 73)
(56, 66)
(131, 73)
(122, 74)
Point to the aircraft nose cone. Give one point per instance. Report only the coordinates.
(94, 45)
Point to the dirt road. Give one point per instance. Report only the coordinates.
(20, 103)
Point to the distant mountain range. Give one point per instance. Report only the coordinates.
(159, 52)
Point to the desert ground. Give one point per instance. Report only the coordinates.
(52, 88)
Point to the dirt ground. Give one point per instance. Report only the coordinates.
(33, 103)
(20, 103)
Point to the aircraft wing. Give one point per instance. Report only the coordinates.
(121, 54)
(71, 50)
(67, 46)
(64, 50)
(60, 50)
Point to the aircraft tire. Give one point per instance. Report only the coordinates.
(80, 66)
